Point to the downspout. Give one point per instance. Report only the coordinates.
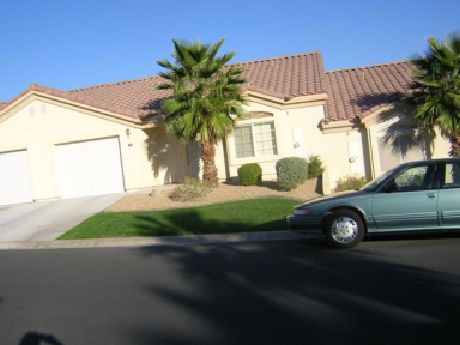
(226, 162)
(371, 153)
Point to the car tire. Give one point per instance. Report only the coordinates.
(344, 229)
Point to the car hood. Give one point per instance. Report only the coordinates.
(337, 196)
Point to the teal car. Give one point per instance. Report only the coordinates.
(418, 196)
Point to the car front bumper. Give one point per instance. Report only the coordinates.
(301, 222)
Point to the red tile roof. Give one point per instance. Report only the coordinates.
(137, 98)
(283, 77)
(286, 76)
(352, 92)
(358, 92)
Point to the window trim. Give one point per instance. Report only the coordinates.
(256, 158)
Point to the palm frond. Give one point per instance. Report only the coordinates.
(436, 87)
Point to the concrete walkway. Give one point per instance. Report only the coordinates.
(256, 236)
(46, 220)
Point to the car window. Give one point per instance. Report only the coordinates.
(452, 175)
(412, 179)
(371, 185)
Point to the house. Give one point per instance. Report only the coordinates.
(111, 138)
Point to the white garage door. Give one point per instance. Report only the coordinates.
(15, 186)
(90, 168)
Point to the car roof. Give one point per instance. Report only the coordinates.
(437, 160)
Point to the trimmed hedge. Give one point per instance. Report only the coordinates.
(250, 174)
(291, 171)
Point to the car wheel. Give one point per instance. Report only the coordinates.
(344, 229)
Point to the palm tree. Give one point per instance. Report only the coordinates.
(207, 97)
(436, 89)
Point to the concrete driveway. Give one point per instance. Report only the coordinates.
(46, 220)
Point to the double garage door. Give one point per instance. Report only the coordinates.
(85, 168)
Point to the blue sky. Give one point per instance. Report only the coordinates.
(69, 44)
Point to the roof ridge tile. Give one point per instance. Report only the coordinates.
(121, 82)
(348, 69)
(275, 58)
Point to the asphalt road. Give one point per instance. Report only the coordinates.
(383, 292)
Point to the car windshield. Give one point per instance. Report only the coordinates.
(374, 183)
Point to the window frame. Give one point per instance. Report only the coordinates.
(442, 176)
(256, 157)
(386, 187)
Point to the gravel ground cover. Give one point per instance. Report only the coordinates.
(158, 199)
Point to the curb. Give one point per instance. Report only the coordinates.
(256, 236)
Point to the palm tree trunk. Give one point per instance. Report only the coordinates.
(208, 153)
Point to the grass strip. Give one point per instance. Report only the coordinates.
(235, 216)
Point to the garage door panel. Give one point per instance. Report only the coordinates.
(15, 185)
(90, 168)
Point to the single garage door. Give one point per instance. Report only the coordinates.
(15, 186)
(90, 167)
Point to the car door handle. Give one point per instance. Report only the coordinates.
(431, 195)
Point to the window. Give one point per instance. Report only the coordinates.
(255, 140)
(452, 175)
(415, 178)
(244, 142)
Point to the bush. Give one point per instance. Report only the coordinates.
(315, 166)
(291, 171)
(250, 174)
(350, 183)
(192, 189)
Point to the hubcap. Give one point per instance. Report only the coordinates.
(344, 230)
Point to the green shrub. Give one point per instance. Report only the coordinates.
(291, 171)
(350, 183)
(250, 174)
(315, 166)
(191, 189)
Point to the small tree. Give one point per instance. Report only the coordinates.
(436, 89)
(206, 92)
(315, 166)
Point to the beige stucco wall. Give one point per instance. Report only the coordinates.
(377, 129)
(332, 148)
(168, 157)
(284, 121)
(441, 146)
(38, 125)
(343, 153)
(152, 157)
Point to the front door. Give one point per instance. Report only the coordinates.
(408, 201)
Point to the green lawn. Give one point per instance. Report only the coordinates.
(236, 216)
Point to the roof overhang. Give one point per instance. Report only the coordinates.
(34, 95)
(285, 102)
(374, 117)
(337, 126)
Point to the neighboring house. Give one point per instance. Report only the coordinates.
(111, 138)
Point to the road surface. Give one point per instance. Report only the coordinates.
(295, 292)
